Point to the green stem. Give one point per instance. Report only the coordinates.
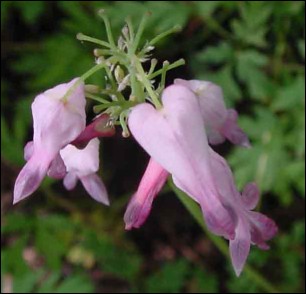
(83, 37)
(139, 32)
(170, 66)
(122, 104)
(131, 29)
(108, 28)
(196, 213)
(147, 84)
(163, 75)
(175, 29)
(85, 76)
(96, 98)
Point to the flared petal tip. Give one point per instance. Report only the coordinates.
(239, 251)
(95, 188)
(238, 271)
(16, 199)
(246, 143)
(128, 227)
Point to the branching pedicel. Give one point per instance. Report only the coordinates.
(175, 125)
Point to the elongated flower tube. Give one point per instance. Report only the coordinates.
(252, 227)
(100, 127)
(82, 164)
(150, 185)
(175, 138)
(58, 119)
(220, 123)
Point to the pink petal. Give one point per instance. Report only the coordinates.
(250, 196)
(30, 176)
(233, 132)
(240, 246)
(82, 161)
(140, 205)
(212, 107)
(220, 123)
(57, 169)
(263, 225)
(95, 188)
(175, 138)
(57, 122)
(70, 180)
(28, 150)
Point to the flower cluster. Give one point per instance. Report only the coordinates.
(175, 125)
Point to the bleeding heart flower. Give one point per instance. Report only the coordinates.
(175, 138)
(58, 118)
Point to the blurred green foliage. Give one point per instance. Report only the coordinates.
(254, 50)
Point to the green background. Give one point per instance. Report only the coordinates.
(61, 242)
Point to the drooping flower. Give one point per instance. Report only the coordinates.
(220, 123)
(140, 205)
(252, 227)
(175, 138)
(58, 119)
(82, 164)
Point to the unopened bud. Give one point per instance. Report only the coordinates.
(121, 43)
(98, 52)
(100, 60)
(93, 89)
(125, 32)
(125, 134)
(119, 74)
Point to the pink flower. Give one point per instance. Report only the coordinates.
(175, 138)
(252, 227)
(56, 121)
(82, 164)
(140, 205)
(220, 123)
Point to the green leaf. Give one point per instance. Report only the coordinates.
(290, 96)
(75, 284)
(206, 8)
(12, 260)
(27, 282)
(111, 258)
(50, 246)
(17, 222)
(224, 78)
(169, 279)
(31, 10)
(49, 284)
(250, 70)
(205, 282)
(222, 53)
(252, 28)
(301, 46)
